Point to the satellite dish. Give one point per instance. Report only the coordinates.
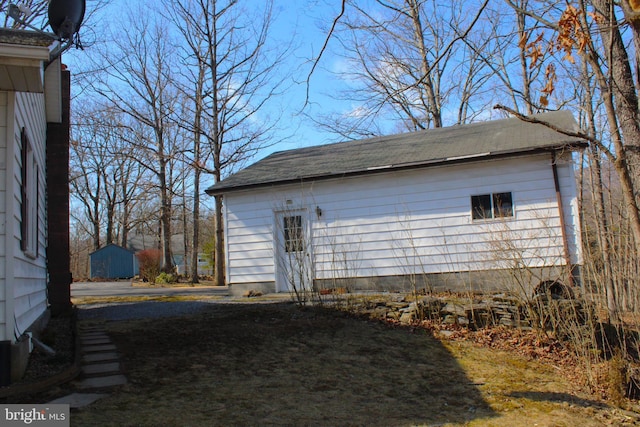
(65, 17)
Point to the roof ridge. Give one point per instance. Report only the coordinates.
(472, 141)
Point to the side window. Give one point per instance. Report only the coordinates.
(481, 206)
(29, 204)
(488, 206)
(502, 205)
(293, 233)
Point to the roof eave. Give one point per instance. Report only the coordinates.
(22, 56)
(212, 191)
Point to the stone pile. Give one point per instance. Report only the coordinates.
(469, 311)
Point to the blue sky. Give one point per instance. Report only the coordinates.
(307, 22)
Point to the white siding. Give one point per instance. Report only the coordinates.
(5, 325)
(28, 274)
(569, 193)
(407, 222)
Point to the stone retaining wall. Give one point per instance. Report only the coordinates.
(469, 311)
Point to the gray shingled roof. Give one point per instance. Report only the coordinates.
(408, 150)
(26, 38)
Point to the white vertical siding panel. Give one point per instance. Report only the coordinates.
(249, 235)
(568, 189)
(388, 223)
(29, 275)
(4, 133)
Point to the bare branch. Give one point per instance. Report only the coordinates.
(582, 135)
(324, 47)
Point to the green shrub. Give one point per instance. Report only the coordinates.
(166, 278)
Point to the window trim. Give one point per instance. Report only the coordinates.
(29, 198)
(495, 210)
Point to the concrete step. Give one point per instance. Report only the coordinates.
(100, 357)
(101, 369)
(102, 382)
(95, 341)
(78, 400)
(99, 348)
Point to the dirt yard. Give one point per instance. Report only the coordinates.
(275, 364)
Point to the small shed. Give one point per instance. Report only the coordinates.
(482, 206)
(113, 262)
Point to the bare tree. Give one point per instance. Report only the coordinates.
(136, 79)
(36, 16)
(504, 47)
(399, 55)
(600, 217)
(87, 186)
(104, 178)
(593, 33)
(195, 59)
(234, 80)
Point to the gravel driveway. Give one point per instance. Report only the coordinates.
(140, 310)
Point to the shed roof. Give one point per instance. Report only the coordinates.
(409, 150)
(111, 247)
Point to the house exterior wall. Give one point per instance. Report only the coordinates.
(25, 152)
(25, 273)
(5, 305)
(403, 224)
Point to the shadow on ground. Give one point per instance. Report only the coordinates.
(140, 310)
(275, 364)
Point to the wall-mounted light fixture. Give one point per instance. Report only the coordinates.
(318, 211)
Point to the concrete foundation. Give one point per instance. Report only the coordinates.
(17, 353)
(515, 281)
(523, 282)
(239, 289)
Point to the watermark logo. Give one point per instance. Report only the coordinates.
(34, 415)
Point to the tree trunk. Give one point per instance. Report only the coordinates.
(124, 237)
(185, 240)
(428, 81)
(165, 219)
(110, 223)
(219, 252)
(95, 216)
(196, 227)
(526, 81)
(621, 103)
(197, 129)
(597, 192)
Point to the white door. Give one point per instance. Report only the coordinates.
(293, 252)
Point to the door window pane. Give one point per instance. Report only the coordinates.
(293, 233)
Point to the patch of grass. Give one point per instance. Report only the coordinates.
(143, 298)
(277, 364)
(178, 284)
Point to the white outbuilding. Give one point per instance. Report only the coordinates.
(482, 206)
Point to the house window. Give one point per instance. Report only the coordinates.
(29, 190)
(488, 206)
(293, 236)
